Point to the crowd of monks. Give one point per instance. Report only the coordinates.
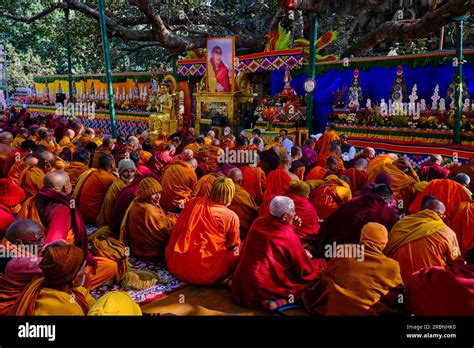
(340, 234)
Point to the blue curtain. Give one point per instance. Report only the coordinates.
(376, 84)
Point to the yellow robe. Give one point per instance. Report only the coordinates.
(31, 180)
(107, 211)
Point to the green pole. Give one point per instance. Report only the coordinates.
(458, 92)
(108, 75)
(312, 71)
(174, 59)
(69, 64)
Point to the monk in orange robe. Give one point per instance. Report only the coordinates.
(215, 151)
(127, 171)
(329, 137)
(462, 223)
(227, 140)
(279, 179)
(273, 265)
(196, 146)
(404, 179)
(47, 140)
(11, 196)
(67, 140)
(205, 243)
(104, 149)
(21, 136)
(307, 231)
(362, 281)
(328, 197)
(31, 179)
(78, 166)
(278, 143)
(357, 174)
(423, 240)
(334, 151)
(15, 171)
(63, 269)
(243, 203)
(254, 182)
(145, 227)
(178, 182)
(319, 173)
(381, 159)
(447, 191)
(203, 186)
(87, 137)
(92, 187)
(160, 142)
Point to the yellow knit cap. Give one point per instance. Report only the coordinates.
(147, 187)
(223, 190)
(115, 303)
(299, 188)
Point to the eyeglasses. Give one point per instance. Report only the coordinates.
(218, 52)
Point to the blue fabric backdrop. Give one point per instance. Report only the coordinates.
(376, 84)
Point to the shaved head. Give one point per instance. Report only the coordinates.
(46, 160)
(462, 179)
(436, 159)
(345, 178)
(132, 140)
(393, 156)
(6, 138)
(435, 205)
(193, 162)
(188, 153)
(361, 164)
(236, 175)
(58, 181)
(30, 160)
(69, 133)
(25, 231)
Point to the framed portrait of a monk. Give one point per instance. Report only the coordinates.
(220, 65)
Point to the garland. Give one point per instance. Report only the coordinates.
(116, 78)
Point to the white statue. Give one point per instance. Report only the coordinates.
(383, 107)
(368, 104)
(422, 105)
(442, 105)
(413, 98)
(435, 98)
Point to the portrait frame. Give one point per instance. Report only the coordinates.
(215, 80)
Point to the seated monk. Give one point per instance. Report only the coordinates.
(11, 195)
(47, 140)
(310, 156)
(67, 140)
(344, 225)
(243, 203)
(448, 191)
(254, 180)
(328, 197)
(434, 169)
(269, 159)
(19, 166)
(467, 169)
(21, 136)
(278, 180)
(299, 192)
(196, 146)
(227, 140)
(24, 238)
(205, 243)
(462, 223)
(297, 167)
(404, 179)
(319, 173)
(79, 165)
(367, 153)
(63, 276)
(388, 158)
(87, 137)
(203, 186)
(145, 226)
(145, 152)
(273, 264)
(335, 151)
(178, 182)
(442, 291)
(423, 240)
(363, 282)
(8, 153)
(104, 149)
(215, 151)
(31, 178)
(92, 187)
(54, 210)
(278, 143)
(132, 145)
(160, 142)
(161, 159)
(126, 170)
(141, 169)
(330, 136)
(211, 135)
(357, 174)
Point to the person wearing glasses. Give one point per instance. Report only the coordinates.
(218, 74)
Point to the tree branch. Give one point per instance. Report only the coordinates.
(28, 20)
(430, 23)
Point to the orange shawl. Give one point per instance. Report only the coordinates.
(278, 182)
(462, 222)
(254, 182)
(324, 143)
(245, 207)
(204, 185)
(31, 180)
(75, 170)
(178, 182)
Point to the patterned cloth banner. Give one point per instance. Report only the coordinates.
(266, 61)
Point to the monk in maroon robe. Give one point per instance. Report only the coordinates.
(273, 263)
